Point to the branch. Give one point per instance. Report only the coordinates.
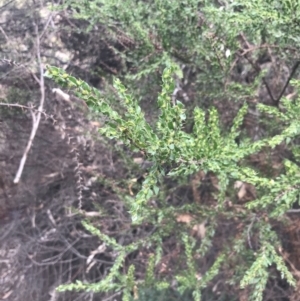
(36, 116)
(295, 67)
(9, 2)
(251, 48)
(258, 69)
(31, 108)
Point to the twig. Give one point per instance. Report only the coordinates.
(31, 108)
(76, 156)
(6, 4)
(254, 64)
(293, 211)
(36, 116)
(249, 230)
(46, 25)
(258, 69)
(112, 296)
(6, 37)
(7, 232)
(291, 188)
(253, 48)
(295, 67)
(16, 105)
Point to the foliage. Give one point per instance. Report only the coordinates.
(203, 37)
(210, 46)
(175, 152)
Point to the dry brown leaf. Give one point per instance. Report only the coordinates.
(132, 181)
(135, 293)
(184, 218)
(199, 230)
(138, 160)
(242, 192)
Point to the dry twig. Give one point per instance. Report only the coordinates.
(35, 116)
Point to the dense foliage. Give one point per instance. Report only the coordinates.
(218, 53)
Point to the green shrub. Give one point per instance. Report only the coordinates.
(175, 152)
(218, 50)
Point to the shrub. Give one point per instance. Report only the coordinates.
(214, 52)
(174, 152)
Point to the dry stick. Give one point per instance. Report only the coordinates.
(6, 37)
(76, 158)
(18, 106)
(36, 117)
